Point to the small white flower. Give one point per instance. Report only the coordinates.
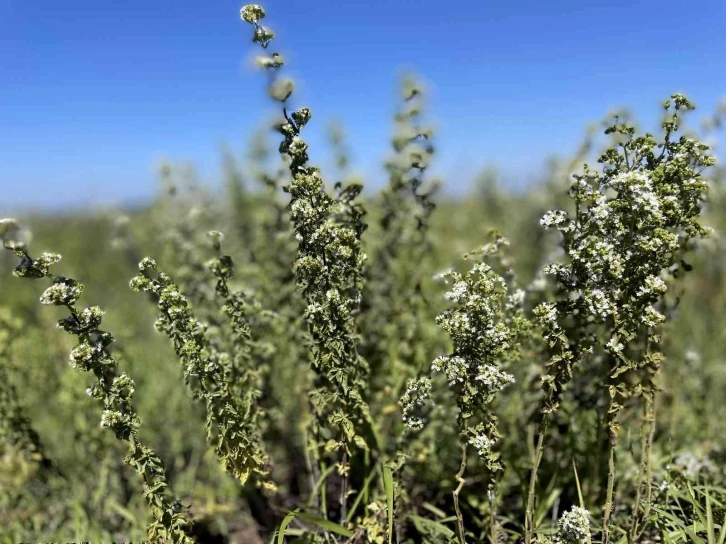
(458, 291)
(482, 443)
(493, 378)
(553, 219)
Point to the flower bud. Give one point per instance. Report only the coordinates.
(302, 116)
(281, 89)
(251, 13)
(263, 36)
(8, 226)
(274, 61)
(63, 292)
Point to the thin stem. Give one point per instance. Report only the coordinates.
(460, 479)
(344, 490)
(650, 418)
(313, 472)
(611, 484)
(649, 456)
(494, 528)
(529, 516)
(644, 432)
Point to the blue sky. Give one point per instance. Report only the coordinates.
(94, 93)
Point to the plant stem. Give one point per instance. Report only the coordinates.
(529, 516)
(611, 485)
(644, 432)
(650, 418)
(313, 471)
(492, 509)
(344, 490)
(460, 479)
(649, 454)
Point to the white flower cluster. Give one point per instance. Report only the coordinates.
(115, 419)
(82, 355)
(458, 291)
(653, 285)
(124, 385)
(454, 367)
(457, 324)
(652, 317)
(574, 526)
(484, 324)
(554, 219)
(637, 187)
(62, 292)
(252, 13)
(598, 303)
(623, 237)
(516, 299)
(614, 346)
(493, 378)
(546, 313)
(482, 443)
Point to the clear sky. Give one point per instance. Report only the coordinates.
(94, 93)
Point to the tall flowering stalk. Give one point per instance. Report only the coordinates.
(394, 333)
(248, 368)
(231, 421)
(114, 390)
(631, 225)
(485, 325)
(328, 271)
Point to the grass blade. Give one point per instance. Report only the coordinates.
(388, 486)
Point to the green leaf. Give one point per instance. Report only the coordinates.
(283, 526)
(388, 486)
(325, 524)
(432, 528)
(315, 520)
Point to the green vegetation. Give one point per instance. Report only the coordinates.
(348, 367)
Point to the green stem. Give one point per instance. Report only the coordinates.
(460, 479)
(611, 484)
(649, 456)
(539, 452)
(344, 490)
(642, 467)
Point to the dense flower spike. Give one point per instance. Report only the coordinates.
(395, 345)
(114, 391)
(236, 439)
(328, 271)
(485, 335)
(485, 326)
